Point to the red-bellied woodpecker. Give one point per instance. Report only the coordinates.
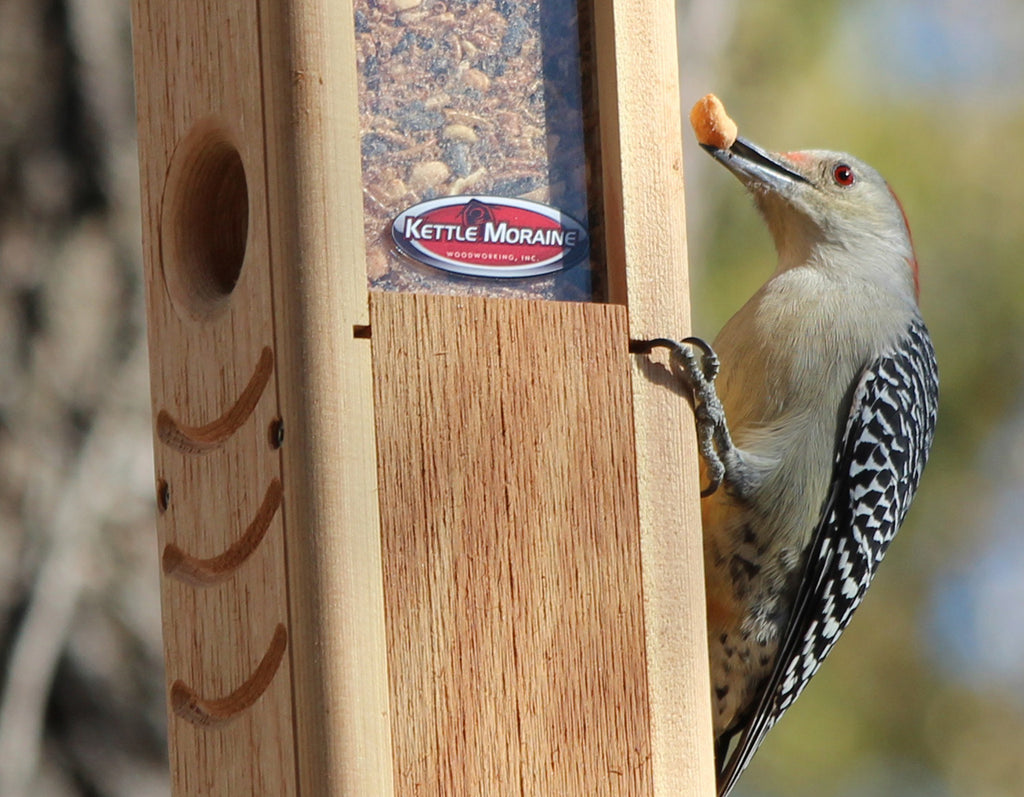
(828, 380)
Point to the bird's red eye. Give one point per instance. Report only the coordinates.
(843, 175)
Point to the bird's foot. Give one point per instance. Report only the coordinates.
(713, 439)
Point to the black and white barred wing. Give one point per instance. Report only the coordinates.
(878, 467)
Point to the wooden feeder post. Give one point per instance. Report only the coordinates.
(412, 542)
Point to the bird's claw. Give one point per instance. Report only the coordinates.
(713, 439)
(709, 364)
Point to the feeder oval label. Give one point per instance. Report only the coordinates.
(489, 236)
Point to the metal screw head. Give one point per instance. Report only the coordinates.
(163, 495)
(277, 433)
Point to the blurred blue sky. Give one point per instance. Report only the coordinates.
(959, 49)
(976, 619)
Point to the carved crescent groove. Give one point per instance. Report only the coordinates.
(206, 572)
(200, 439)
(212, 712)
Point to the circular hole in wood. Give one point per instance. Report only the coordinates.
(205, 222)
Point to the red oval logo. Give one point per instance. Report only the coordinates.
(489, 236)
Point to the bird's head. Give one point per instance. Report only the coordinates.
(827, 210)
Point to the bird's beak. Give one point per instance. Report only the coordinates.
(754, 166)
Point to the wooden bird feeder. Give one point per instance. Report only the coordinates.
(426, 526)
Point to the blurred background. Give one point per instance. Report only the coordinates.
(925, 695)
(81, 661)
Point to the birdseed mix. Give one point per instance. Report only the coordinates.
(481, 100)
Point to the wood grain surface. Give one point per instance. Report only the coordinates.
(511, 550)
(642, 169)
(410, 544)
(263, 420)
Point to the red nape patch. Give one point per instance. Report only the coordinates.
(911, 261)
